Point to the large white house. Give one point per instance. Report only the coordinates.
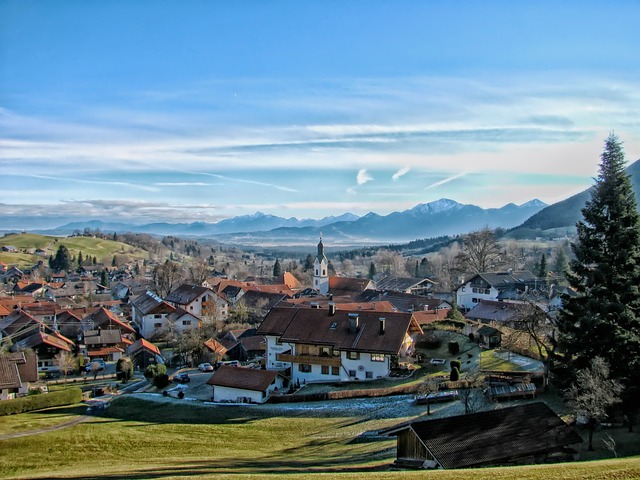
(198, 301)
(494, 286)
(329, 345)
(149, 313)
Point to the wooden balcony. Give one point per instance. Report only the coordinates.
(309, 359)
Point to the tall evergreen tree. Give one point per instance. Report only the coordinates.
(372, 271)
(80, 260)
(603, 320)
(277, 270)
(542, 267)
(62, 260)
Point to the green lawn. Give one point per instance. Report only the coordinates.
(102, 249)
(140, 439)
(39, 419)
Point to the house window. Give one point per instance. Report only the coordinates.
(368, 374)
(335, 370)
(352, 373)
(333, 326)
(304, 349)
(325, 351)
(475, 290)
(353, 355)
(474, 300)
(377, 357)
(487, 291)
(157, 325)
(157, 316)
(304, 368)
(186, 322)
(324, 272)
(325, 370)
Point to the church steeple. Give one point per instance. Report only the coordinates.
(321, 271)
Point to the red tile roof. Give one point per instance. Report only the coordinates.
(142, 344)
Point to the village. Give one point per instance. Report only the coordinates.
(474, 355)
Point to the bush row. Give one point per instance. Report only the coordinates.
(44, 400)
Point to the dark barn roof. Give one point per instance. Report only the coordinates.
(494, 437)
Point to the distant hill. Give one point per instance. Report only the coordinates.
(567, 213)
(102, 249)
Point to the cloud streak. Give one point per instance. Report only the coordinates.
(446, 180)
(400, 173)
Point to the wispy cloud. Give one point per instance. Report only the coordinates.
(400, 173)
(363, 177)
(185, 184)
(251, 182)
(90, 182)
(446, 180)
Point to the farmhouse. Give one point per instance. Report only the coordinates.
(318, 345)
(524, 434)
(199, 301)
(495, 286)
(17, 370)
(245, 385)
(149, 313)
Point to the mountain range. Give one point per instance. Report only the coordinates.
(434, 219)
(426, 220)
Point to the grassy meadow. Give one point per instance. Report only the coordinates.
(138, 439)
(27, 243)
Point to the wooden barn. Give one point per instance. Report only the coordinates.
(525, 434)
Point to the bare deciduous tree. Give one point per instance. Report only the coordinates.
(594, 392)
(67, 362)
(198, 272)
(480, 251)
(166, 277)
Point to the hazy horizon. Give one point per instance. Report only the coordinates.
(201, 111)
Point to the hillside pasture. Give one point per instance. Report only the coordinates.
(102, 249)
(136, 438)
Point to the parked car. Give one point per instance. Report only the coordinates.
(181, 378)
(230, 363)
(97, 364)
(205, 367)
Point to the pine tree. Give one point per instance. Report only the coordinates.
(603, 320)
(277, 270)
(80, 260)
(372, 271)
(114, 261)
(62, 260)
(542, 267)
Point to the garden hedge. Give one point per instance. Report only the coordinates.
(67, 396)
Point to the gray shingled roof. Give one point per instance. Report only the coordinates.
(494, 437)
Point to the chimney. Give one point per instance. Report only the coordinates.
(353, 322)
(332, 309)
(382, 324)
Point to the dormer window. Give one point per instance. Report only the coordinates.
(333, 326)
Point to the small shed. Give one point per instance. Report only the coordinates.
(489, 337)
(245, 385)
(523, 434)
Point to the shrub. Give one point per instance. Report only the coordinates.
(456, 364)
(454, 347)
(161, 381)
(429, 341)
(67, 396)
(180, 394)
(150, 372)
(161, 369)
(455, 375)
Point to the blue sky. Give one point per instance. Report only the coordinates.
(200, 110)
